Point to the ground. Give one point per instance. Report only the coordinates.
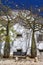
(20, 62)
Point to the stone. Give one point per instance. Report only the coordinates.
(36, 59)
(16, 58)
(27, 58)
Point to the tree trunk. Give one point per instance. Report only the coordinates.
(33, 47)
(7, 44)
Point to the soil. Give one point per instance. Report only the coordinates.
(27, 61)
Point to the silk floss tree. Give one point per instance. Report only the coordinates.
(35, 24)
(7, 21)
(7, 42)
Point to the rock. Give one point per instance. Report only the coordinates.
(16, 58)
(27, 58)
(36, 59)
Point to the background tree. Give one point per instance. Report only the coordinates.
(36, 24)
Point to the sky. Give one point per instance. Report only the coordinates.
(24, 4)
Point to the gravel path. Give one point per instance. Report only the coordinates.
(20, 62)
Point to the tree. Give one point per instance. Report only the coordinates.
(7, 43)
(7, 22)
(35, 26)
(34, 23)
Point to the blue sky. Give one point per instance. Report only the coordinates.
(23, 3)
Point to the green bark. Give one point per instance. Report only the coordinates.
(7, 47)
(7, 43)
(33, 47)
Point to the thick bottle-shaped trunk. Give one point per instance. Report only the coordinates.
(33, 47)
(7, 44)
